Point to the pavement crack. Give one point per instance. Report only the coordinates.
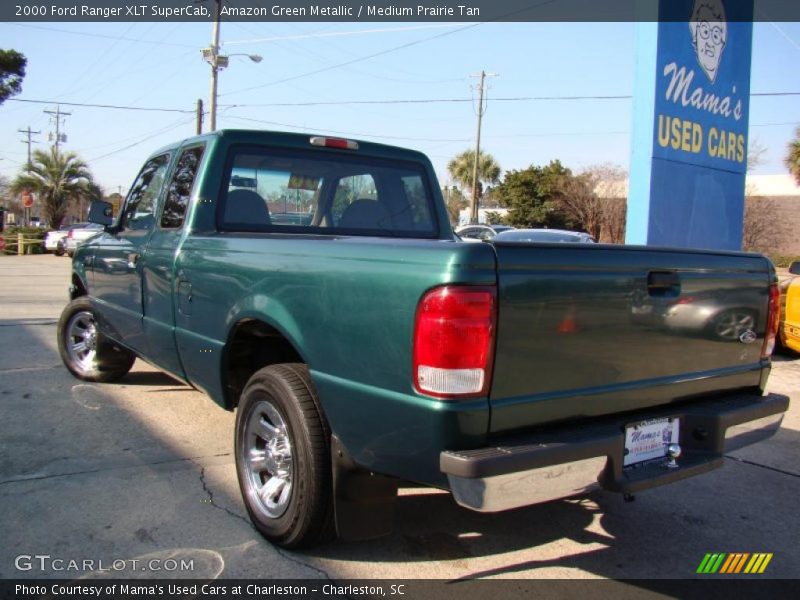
(767, 467)
(281, 552)
(210, 495)
(26, 478)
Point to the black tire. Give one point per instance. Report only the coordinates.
(288, 495)
(98, 359)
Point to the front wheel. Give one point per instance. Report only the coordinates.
(282, 448)
(85, 351)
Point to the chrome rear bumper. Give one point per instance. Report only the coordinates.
(572, 460)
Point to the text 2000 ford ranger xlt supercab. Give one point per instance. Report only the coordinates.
(314, 285)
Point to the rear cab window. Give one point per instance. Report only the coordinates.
(297, 191)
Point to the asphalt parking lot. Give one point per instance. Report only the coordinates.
(143, 469)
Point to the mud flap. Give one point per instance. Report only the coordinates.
(364, 501)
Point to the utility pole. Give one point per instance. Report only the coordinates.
(56, 115)
(199, 116)
(481, 109)
(29, 141)
(214, 60)
(218, 62)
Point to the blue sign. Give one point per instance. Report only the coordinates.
(691, 107)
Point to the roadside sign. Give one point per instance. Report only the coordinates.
(27, 199)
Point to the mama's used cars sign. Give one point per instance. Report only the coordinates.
(691, 117)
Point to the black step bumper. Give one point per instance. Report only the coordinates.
(569, 460)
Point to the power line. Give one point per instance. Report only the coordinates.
(100, 35)
(112, 106)
(157, 133)
(353, 61)
(360, 102)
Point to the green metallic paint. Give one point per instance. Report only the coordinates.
(567, 345)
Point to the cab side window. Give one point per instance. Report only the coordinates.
(180, 188)
(141, 205)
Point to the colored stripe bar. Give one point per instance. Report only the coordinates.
(741, 562)
(727, 566)
(765, 563)
(702, 567)
(717, 563)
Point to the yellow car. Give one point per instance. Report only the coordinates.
(790, 311)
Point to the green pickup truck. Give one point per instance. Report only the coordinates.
(315, 286)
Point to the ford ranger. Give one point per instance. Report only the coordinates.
(315, 286)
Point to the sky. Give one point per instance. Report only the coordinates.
(159, 65)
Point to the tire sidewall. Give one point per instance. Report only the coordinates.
(110, 367)
(292, 524)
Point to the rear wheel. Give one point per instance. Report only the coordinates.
(283, 463)
(84, 350)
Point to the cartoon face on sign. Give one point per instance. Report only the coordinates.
(709, 34)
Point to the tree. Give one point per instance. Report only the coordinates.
(12, 71)
(763, 229)
(532, 196)
(455, 202)
(461, 169)
(579, 202)
(609, 182)
(793, 156)
(57, 178)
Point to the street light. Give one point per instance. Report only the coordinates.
(218, 62)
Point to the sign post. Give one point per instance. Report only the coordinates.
(691, 111)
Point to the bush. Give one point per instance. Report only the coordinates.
(11, 234)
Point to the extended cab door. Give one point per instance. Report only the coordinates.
(161, 283)
(117, 268)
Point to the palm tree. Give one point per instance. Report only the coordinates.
(793, 157)
(56, 178)
(462, 166)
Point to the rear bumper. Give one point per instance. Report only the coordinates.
(570, 460)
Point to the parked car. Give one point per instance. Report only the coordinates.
(545, 235)
(53, 241)
(480, 232)
(78, 234)
(789, 331)
(56, 240)
(369, 346)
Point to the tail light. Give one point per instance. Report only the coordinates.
(330, 142)
(773, 320)
(454, 341)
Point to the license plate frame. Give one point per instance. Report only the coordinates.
(648, 439)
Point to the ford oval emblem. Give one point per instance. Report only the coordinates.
(748, 337)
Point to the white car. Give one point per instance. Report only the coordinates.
(78, 234)
(54, 240)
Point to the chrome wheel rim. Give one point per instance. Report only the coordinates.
(81, 342)
(268, 461)
(731, 325)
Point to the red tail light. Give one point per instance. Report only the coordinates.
(454, 341)
(330, 142)
(773, 320)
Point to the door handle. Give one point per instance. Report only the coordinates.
(663, 283)
(133, 258)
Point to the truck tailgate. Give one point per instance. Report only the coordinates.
(586, 330)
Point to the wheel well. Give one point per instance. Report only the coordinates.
(78, 289)
(251, 346)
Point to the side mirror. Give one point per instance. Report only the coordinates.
(101, 212)
(794, 268)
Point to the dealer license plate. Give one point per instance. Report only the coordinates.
(648, 440)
